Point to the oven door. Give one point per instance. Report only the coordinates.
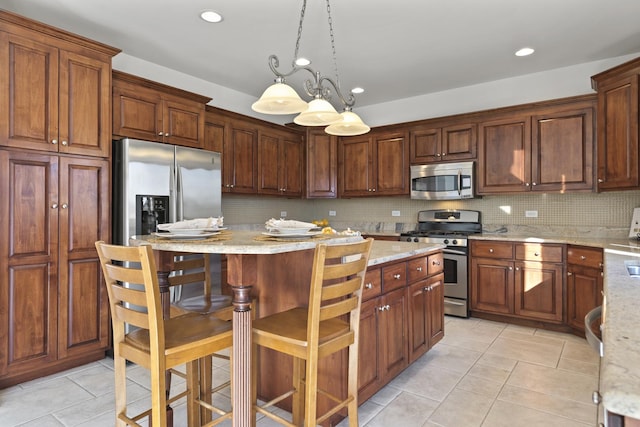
(455, 282)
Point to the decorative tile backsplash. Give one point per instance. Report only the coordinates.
(609, 210)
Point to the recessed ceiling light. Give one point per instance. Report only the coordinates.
(210, 16)
(525, 51)
(357, 90)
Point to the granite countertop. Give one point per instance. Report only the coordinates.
(243, 242)
(620, 367)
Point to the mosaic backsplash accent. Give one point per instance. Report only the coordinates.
(556, 212)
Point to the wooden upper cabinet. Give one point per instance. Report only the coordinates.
(151, 111)
(546, 148)
(322, 164)
(618, 116)
(504, 150)
(240, 159)
(57, 90)
(374, 164)
(280, 163)
(434, 143)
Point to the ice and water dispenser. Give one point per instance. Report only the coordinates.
(151, 211)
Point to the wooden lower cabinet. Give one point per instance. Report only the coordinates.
(53, 304)
(426, 315)
(522, 280)
(584, 283)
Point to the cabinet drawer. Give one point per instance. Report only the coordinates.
(372, 284)
(394, 276)
(487, 249)
(417, 269)
(539, 252)
(587, 257)
(435, 263)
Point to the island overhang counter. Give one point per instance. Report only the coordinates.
(274, 273)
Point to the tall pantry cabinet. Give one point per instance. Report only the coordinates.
(55, 132)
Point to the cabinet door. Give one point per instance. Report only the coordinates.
(354, 165)
(391, 164)
(269, 164)
(504, 149)
(459, 142)
(584, 293)
(562, 151)
(84, 219)
(425, 146)
(85, 105)
(418, 332)
(241, 160)
(538, 290)
(369, 350)
(618, 134)
(292, 157)
(393, 324)
(137, 113)
(491, 285)
(183, 123)
(29, 101)
(435, 309)
(28, 261)
(214, 135)
(322, 165)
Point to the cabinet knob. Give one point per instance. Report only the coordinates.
(526, 184)
(397, 276)
(491, 250)
(510, 268)
(54, 206)
(386, 307)
(534, 184)
(436, 263)
(419, 269)
(160, 133)
(437, 154)
(444, 154)
(600, 180)
(569, 273)
(54, 141)
(65, 206)
(517, 268)
(368, 285)
(166, 134)
(64, 143)
(536, 254)
(373, 189)
(582, 257)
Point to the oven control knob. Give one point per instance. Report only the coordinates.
(415, 239)
(446, 241)
(455, 242)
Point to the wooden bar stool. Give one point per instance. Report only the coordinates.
(156, 344)
(329, 324)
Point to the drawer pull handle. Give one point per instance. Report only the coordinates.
(397, 276)
(436, 262)
(569, 273)
(368, 286)
(419, 268)
(536, 254)
(582, 257)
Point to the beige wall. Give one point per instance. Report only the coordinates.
(612, 209)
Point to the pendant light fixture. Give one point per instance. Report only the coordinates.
(281, 98)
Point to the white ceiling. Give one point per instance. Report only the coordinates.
(394, 49)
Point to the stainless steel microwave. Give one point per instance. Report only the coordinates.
(442, 181)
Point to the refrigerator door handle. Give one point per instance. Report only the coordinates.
(179, 194)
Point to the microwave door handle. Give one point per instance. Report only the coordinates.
(459, 182)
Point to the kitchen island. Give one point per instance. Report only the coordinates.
(277, 275)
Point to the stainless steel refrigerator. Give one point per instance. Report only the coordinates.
(155, 183)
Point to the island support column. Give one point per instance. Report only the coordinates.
(241, 275)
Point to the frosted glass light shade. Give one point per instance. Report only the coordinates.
(279, 98)
(319, 113)
(350, 125)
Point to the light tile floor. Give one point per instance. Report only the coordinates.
(482, 373)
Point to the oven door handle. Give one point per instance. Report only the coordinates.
(453, 252)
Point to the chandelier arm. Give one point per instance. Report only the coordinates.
(348, 101)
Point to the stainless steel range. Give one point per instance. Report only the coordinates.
(451, 228)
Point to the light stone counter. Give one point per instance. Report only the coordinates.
(620, 368)
(385, 251)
